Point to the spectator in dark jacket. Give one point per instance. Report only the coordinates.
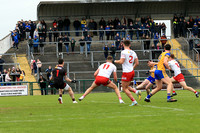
(107, 32)
(112, 51)
(66, 24)
(35, 44)
(50, 34)
(117, 41)
(131, 28)
(42, 82)
(30, 44)
(88, 41)
(73, 43)
(137, 26)
(82, 44)
(77, 25)
(106, 48)
(60, 41)
(85, 31)
(195, 30)
(55, 34)
(60, 24)
(101, 32)
(48, 71)
(27, 30)
(91, 26)
(66, 43)
(102, 22)
(41, 44)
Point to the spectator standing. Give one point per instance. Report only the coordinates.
(39, 65)
(117, 41)
(106, 48)
(82, 44)
(48, 71)
(42, 82)
(55, 23)
(85, 31)
(39, 25)
(50, 34)
(88, 41)
(119, 28)
(30, 44)
(55, 33)
(35, 45)
(131, 28)
(32, 70)
(41, 44)
(77, 25)
(35, 67)
(112, 32)
(16, 41)
(27, 30)
(124, 30)
(195, 30)
(44, 33)
(60, 41)
(102, 22)
(18, 72)
(156, 39)
(191, 42)
(73, 43)
(107, 32)
(40, 32)
(147, 43)
(8, 78)
(113, 51)
(22, 75)
(36, 34)
(137, 27)
(66, 24)
(83, 23)
(1, 64)
(101, 32)
(163, 41)
(91, 26)
(175, 28)
(60, 24)
(66, 43)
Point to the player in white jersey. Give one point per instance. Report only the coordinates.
(178, 76)
(129, 61)
(102, 76)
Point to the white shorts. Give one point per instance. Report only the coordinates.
(67, 87)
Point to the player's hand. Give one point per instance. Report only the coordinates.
(73, 81)
(147, 72)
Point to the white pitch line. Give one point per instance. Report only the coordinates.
(157, 107)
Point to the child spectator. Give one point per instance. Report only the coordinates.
(39, 65)
(106, 51)
(42, 82)
(73, 42)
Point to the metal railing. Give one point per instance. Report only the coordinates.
(196, 52)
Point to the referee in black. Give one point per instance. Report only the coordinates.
(58, 75)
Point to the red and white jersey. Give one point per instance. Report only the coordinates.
(129, 56)
(175, 67)
(106, 69)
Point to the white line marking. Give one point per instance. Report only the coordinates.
(157, 107)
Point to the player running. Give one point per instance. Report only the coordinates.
(161, 75)
(150, 81)
(59, 74)
(129, 61)
(102, 76)
(178, 76)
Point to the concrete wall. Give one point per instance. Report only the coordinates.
(5, 44)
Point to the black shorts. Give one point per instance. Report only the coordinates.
(59, 85)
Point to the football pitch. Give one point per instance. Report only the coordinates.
(100, 113)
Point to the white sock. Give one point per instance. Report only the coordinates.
(137, 92)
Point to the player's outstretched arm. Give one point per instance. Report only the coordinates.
(121, 61)
(96, 72)
(136, 63)
(152, 71)
(69, 80)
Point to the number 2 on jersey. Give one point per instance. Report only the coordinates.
(105, 66)
(130, 59)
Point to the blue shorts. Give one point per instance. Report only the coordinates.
(159, 74)
(151, 79)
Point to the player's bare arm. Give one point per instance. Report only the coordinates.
(166, 63)
(136, 63)
(96, 72)
(152, 71)
(115, 76)
(68, 79)
(121, 61)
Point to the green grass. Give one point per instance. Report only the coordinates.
(99, 113)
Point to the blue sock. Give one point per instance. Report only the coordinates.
(149, 96)
(168, 96)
